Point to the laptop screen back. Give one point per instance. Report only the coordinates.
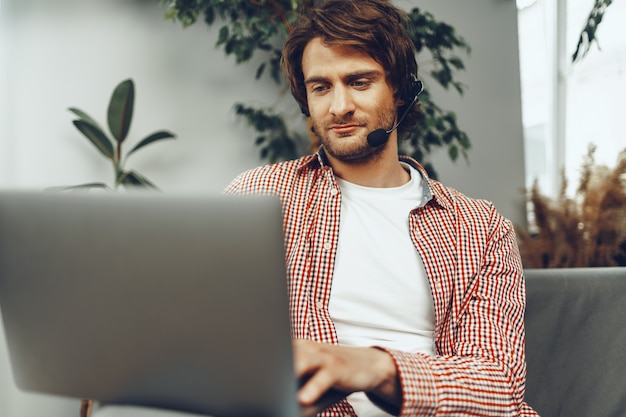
(175, 302)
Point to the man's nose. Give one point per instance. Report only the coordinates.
(342, 102)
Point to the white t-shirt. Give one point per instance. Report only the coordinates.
(380, 294)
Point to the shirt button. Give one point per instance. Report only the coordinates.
(327, 246)
(334, 192)
(319, 305)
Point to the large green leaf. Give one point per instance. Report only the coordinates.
(588, 34)
(135, 179)
(96, 136)
(85, 117)
(161, 134)
(120, 111)
(80, 187)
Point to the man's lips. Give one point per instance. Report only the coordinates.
(344, 129)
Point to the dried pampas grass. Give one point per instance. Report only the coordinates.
(584, 231)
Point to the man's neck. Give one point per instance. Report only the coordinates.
(383, 172)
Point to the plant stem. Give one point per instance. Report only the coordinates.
(86, 407)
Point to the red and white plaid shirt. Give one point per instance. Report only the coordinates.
(474, 269)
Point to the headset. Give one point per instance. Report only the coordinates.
(414, 87)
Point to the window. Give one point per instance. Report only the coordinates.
(566, 106)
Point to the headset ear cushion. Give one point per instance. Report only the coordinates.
(413, 89)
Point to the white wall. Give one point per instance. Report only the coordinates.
(73, 53)
(54, 55)
(490, 110)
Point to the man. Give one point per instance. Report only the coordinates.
(404, 294)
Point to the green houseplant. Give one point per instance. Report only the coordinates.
(250, 27)
(119, 118)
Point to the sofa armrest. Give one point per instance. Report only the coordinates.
(576, 341)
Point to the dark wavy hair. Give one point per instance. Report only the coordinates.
(373, 27)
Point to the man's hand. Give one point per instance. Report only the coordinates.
(347, 369)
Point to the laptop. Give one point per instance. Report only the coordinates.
(166, 301)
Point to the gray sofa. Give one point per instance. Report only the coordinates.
(576, 341)
(576, 349)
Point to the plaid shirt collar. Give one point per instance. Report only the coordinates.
(433, 192)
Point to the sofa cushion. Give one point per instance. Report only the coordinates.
(576, 341)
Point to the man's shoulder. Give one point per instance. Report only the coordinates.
(460, 203)
(272, 178)
(446, 196)
(476, 215)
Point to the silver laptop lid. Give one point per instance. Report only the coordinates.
(175, 302)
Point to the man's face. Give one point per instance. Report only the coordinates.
(348, 98)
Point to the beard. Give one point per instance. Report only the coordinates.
(353, 147)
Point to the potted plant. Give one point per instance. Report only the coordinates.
(586, 230)
(119, 118)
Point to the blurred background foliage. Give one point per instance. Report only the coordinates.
(587, 229)
(251, 27)
(588, 35)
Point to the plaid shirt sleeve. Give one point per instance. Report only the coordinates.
(473, 265)
(476, 274)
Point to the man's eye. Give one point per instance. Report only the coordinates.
(319, 89)
(360, 83)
